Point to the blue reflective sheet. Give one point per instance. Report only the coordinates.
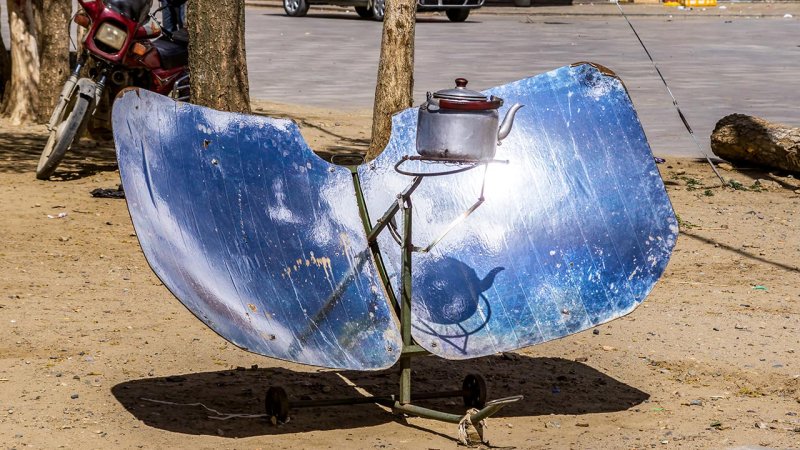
(256, 235)
(574, 232)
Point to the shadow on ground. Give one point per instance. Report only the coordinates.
(550, 386)
(20, 151)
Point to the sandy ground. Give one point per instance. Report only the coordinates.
(88, 333)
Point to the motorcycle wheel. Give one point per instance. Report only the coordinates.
(62, 138)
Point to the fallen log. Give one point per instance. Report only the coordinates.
(740, 138)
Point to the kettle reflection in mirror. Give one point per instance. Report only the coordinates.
(450, 294)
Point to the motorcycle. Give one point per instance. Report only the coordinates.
(124, 46)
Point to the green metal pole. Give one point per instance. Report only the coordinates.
(405, 303)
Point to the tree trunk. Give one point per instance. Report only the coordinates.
(53, 52)
(23, 90)
(742, 138)
(395, 87)
(217, 59)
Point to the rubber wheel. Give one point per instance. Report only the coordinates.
(363, 12)
(457, 15)
(295, 8)
(474, 389)
(277, 404)
(61, 139)
(378, 9)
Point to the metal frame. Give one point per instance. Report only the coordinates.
(402, 402)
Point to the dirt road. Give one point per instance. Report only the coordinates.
(91, 343)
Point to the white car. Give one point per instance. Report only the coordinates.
(456, 10)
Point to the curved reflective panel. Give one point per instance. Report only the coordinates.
(574, 231)
(256, 235)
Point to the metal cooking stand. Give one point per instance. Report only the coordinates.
(473, 389)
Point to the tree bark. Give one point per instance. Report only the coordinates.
(742, 138)
(217, 60)
(22, 96)
(53, 53)
(395, 86)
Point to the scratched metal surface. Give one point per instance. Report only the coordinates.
(253, 233)
(575, 230)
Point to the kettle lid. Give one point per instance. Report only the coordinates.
(460, 92)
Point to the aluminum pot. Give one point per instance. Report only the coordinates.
(461, 124)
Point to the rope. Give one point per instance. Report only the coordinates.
(219, 415)
(470, 434)
(669, 91)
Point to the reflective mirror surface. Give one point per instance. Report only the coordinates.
(575, 229)
(263, 241)
(256, 235)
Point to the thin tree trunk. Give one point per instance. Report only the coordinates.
(742, 138)
(395, 86)
(217, 60)
(53, 53)
(23, 92)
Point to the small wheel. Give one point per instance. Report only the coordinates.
(474, 389)
(277, 404)
(363, 12)
(378, 9)
(295, 8)
(457, 15)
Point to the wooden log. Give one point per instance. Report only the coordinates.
(740, 138)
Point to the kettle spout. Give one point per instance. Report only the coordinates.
(508, 122)
(488, 281)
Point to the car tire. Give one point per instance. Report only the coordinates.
(364, 12)
(295, 8)
(457, 15)
(378, 9)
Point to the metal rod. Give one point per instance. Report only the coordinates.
(341, 401)
(414, 349)
(387, 400)
(393, 209)
(494, 406)
(452, 225)
(405, 296)
(488, 410)
(460, 218)
(373, 245)
(428, 413)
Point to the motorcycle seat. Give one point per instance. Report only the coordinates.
(173, 53)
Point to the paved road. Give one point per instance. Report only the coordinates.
(715, 65)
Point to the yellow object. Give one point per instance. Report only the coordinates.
(690, 3)
(694, 3)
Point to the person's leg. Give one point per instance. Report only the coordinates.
(167, 21)
(182, 15)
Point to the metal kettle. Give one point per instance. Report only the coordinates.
(461, 124)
